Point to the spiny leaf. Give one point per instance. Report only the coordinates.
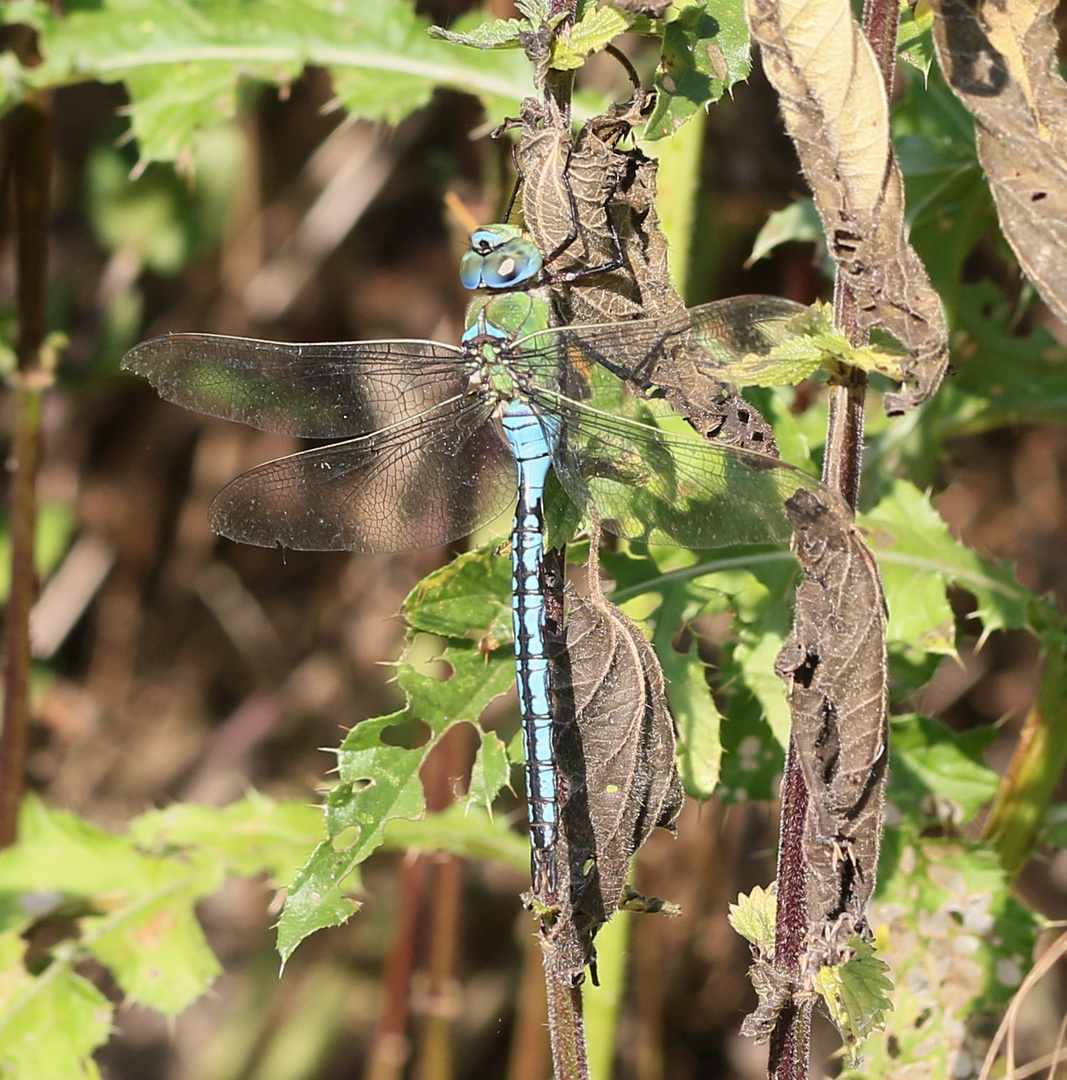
(149, 936)
(380, 781)
(49, 1027)
(918, 557)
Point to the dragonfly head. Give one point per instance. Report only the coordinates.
(500, 257)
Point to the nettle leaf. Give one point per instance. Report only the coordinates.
(918, 558)
(958, 944)
(754, 917)
(184, 70)
(380, 781)
(48, 1026)
(704, 54)
(597, 28)
(933, 765)
(856, 995)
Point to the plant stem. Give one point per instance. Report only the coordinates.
(791, 1038)
(1036, 766)
(792, 1032)
(29, 130)
(567, 1031)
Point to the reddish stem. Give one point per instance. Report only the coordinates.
(29, 130)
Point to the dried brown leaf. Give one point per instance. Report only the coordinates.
(1000, 60)
(834, 666)
(835, 108)
(618, 771)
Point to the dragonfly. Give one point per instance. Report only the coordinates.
(438, 440)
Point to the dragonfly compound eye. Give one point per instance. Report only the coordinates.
(511, 264)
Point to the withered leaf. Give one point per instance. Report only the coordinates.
(835, 108)
(834, 666)
(617, 766)
(1000, 60)
(575, 196)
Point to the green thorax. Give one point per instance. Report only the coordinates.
(494, 322)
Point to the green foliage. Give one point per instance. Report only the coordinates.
(129, 902)
(705, 51)
(186, 69)
(857, 995)
(956, 941)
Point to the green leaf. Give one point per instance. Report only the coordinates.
(494, 34)
(156, 948)
(915, 39)
(490, 773)
(754, 917)
(1005, 379)
(184, 66)
(467, 832)
(949, 205)
(704, 54)
(932, 763)
(798, 222)
(55, 528)
(251, 836)
(379, 781)
(49, 1024)
(149, 936)
(856, 995)
(597, 28)
(468, 598)
(918, 557)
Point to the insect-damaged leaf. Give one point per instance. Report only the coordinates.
(589, 205)
(1000, 61)
(834, 666)
(835, 108)
(618, 770)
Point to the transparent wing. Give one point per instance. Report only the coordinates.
(724, 335)
(428, 480)
(661, 487)
(321, 391)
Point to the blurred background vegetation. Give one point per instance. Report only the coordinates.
(172, 665)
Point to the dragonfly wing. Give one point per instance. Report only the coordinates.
(320, 391)
(425, 481)
(661, 487)
(716, 337)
